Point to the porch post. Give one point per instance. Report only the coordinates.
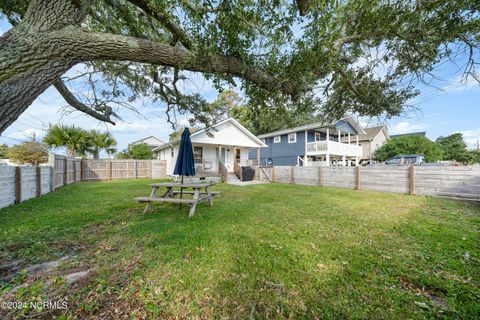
(234, 154)
(305, 163)
(343, 161)
(328, 134)
(327, 160)
(349, 141)
(219, 156)
(258, 156)
(357, 139)
(356, 161)
(339, 133)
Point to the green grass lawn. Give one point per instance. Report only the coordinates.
(264, 251)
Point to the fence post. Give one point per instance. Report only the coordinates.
(320, 182)
(110, 170)
(412, 179)
(74, 170)
(82, 169)
(273, 173)
(292, 175)
(18, 184)
(135, 168)
(52, 179)
(357, 178)
(38, 180)
(65, 170)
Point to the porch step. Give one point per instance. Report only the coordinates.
(232, 177)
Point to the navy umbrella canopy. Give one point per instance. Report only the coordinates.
(185, 165)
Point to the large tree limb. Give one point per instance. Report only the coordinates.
(38, 51)
(90, 46)
(77, 104)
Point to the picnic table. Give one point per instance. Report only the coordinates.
(200, 192)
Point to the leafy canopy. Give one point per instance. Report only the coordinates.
(78, 141)
(138, 151)
(100, 141)
(338, 57)
(31, 152)
(3, 151)
(455, 149)
(409, 145)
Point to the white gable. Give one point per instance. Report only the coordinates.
(151, 141)
(228, 134)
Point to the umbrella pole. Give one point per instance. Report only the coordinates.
(181, 193)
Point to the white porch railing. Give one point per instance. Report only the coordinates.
(204, 166)
(335, 148)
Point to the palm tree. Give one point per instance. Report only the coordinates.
(74, 139)
(99, 141)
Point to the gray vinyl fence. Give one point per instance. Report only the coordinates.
(457, 182)
(20, 183)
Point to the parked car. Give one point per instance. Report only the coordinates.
(406, 159)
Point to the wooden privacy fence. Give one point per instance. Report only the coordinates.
(18, 184)
(458, 182)
(68, 169)
(21, 183)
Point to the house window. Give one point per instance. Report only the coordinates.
(317, 136)
(277, 139)
(198, 154)
(237, 155)
(263, 140)
(172, 153)
(292, 137)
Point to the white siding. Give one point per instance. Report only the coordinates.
(226, 134)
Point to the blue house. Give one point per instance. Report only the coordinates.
(315, 144)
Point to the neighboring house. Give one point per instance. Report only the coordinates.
(224, 144)
(151, 141)
(314, 144)
(422, 134)
(374, 138)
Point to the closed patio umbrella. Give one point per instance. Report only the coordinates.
(185, 165)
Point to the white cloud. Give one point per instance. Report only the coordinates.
(471, 136)
(406, 127)
(128, 127)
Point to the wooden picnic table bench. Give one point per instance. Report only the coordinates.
(200, 193)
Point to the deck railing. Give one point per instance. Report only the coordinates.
(222, 169)
(237, 168)
(203, 166)
(333, 147)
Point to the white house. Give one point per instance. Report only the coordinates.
(151, 141)
(221, 147)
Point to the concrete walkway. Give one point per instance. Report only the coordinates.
(237, 182)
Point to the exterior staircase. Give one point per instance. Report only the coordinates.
(232, 177)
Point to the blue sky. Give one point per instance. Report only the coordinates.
(453, 106)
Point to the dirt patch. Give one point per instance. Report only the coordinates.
(10, 265)
(96, 228)
(436, 297)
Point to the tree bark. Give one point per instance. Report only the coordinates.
(29, 61)
(48, 42)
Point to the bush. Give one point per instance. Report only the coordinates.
(138, 151)
(31, 152)
(409, 145)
